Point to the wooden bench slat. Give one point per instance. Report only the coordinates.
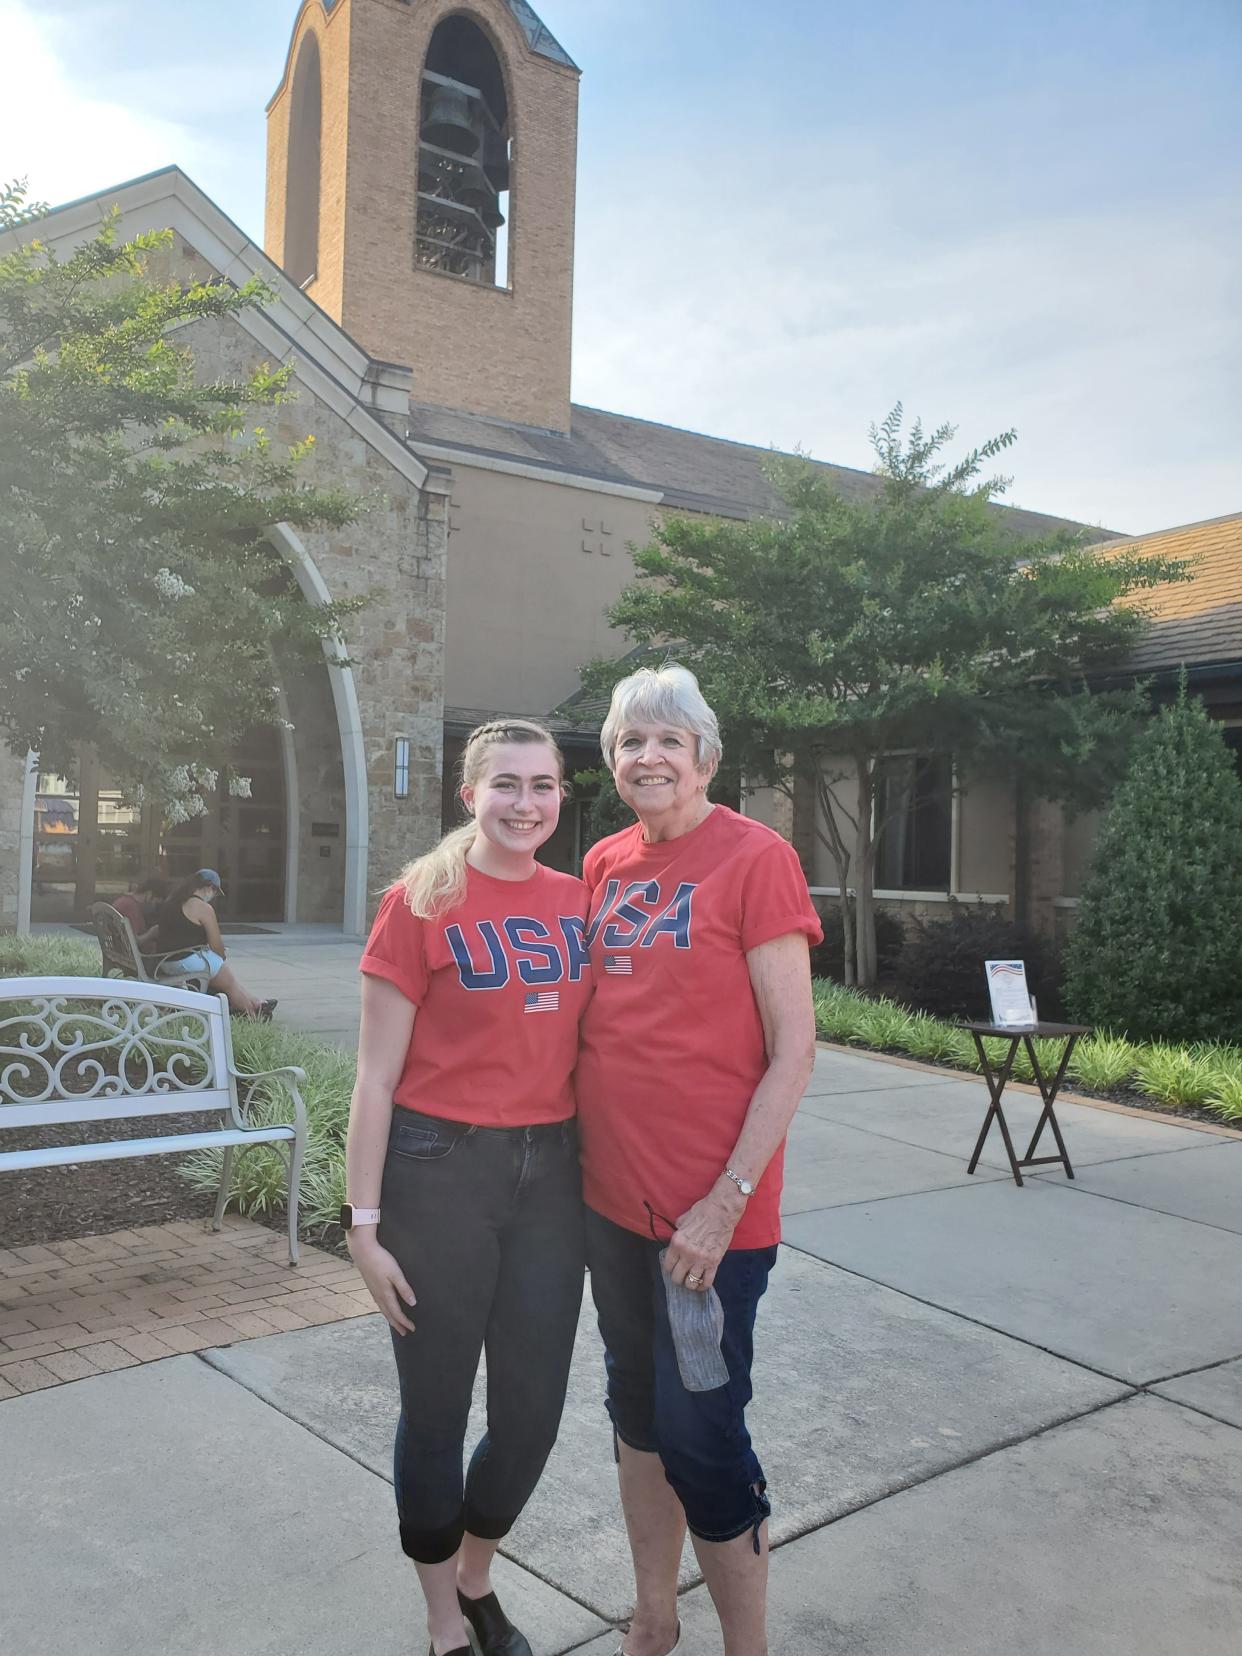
(69, 1155)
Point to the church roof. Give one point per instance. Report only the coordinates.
(684, 469)
(538, 35)
(1196, 622)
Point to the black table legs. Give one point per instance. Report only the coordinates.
(997, 1080)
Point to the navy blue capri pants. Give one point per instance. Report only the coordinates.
(700, 1437)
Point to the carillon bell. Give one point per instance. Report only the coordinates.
(450, 122)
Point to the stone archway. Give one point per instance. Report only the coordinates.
(349, 727)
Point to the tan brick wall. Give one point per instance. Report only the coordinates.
(487, 350)
(333, 36)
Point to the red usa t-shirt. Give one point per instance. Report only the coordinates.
(672, 1042)
(500, 983)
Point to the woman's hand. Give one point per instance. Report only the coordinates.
(385, 1282)
(703, 1235)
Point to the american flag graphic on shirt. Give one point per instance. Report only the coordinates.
(619, 965)
(545, 1000)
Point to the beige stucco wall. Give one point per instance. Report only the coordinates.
(526, 603)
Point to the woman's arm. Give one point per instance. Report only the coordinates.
(383, 1041)
(205, 916)
(780, 975)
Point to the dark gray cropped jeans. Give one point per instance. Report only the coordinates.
(487, 1225)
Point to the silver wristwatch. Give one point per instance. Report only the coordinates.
(744, 1185)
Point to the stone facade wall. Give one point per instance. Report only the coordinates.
(488, 350)
(394, 555)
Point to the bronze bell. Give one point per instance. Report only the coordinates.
(450, 122)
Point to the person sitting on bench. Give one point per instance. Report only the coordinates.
(188, 922)
(141, 905)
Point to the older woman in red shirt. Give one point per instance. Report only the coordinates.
(695, 1053)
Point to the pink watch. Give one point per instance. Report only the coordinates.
(352, 1217)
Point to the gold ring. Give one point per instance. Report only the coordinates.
(692, 1279)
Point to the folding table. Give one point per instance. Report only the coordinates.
(998, 1078)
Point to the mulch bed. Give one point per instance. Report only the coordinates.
(57, 1204)
(54, 1204)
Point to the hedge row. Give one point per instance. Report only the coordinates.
(1207, 1075)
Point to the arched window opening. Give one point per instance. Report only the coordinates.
(302, 184)
(463, 157)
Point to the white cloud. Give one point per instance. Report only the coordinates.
(68, 141)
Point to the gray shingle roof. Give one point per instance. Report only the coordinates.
(690, 470)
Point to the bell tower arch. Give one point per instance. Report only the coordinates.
(447, 159)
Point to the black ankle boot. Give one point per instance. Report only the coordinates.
(496, 1634)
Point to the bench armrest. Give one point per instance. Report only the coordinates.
(288, 1076)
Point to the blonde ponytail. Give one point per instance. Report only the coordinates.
(436, 882)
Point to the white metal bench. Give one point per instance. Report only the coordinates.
(121, 956)
(94, 1049)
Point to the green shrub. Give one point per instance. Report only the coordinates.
(1157, 948)
(1100, 1062)
(48, 956)
(1175, 1075)
(259, 1178)
(828, 957)
(941, 970)
(932, 1041)
(1225, 1097)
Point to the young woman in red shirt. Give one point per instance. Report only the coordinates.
(465, 1212)
(696, 1049)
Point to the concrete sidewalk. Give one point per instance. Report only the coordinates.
(991, 1419)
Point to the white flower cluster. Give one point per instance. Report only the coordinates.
(239, 787)
(169, 585)
(183, 809)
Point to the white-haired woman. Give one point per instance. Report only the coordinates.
(696, 1049)
(464, 1212)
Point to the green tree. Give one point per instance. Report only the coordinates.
(1157, 948)
(143, 599)
(909, 621)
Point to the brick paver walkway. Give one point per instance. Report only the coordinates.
(71, 1309)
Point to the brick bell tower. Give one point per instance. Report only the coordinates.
(421, 165)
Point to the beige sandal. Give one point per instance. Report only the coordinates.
(676, 1644)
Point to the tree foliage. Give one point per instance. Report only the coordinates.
(1156, 952)
(143, 598)
(909, 620)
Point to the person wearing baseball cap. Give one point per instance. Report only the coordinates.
(189, 928)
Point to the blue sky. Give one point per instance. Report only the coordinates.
(791, 215)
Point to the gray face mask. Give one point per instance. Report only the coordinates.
(696, 1318)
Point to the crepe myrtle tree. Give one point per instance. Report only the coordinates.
(909, 621)
(143, 599)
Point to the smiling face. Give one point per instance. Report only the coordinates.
(516, 801)
(658, 776)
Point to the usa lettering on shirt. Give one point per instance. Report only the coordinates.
(520, 947)
(638, 916)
